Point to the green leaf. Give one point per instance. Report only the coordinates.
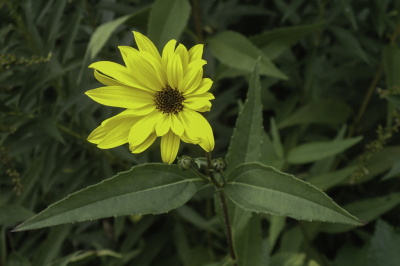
(275, 228)
(54, 24)
(274, 42)
(385, 245)
(268, 154)
(351, 256)
(260, 188)
(319, 112)
(367, 210)
(328, 180)
(351, 43)
(378, 15)
(288, 259)
(247, 243)
(394, 172)
(168, 19)
(99, 38)
(48, 126)
(50, 248)
(347, 10)
(16, 259)
(145, 189)
(391, 64)
(236, 51)
(67, 259)
(12, 214)
(246, 140)
(315, 151)
(276, 140)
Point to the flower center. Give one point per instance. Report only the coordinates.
(169, 100)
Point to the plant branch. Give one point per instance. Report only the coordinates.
(224, 206)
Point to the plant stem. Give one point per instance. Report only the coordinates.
(224, 205)
(197, 20)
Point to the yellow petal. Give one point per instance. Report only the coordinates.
(156, 64)
(168, 54)
(117, 72)
(175, 72)
(106, 127)
(203, 87)
(121, 96)
(198, 105)
(183, 53)
(143, 128)
(119, 135)
(142, 69)
(197, 121)
(192, 79)
(106, 80)
(169, 147)
(176, 125)
(196, 52)
(147, 143)
(128, 113)
(191, 134)
(145, 45)
(199, 97)
(163, 125)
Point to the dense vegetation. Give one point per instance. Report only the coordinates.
(330, 95)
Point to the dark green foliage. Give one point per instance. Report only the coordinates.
(328, 75)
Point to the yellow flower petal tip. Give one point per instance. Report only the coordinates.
(162, 95)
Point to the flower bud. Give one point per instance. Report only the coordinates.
(219, 164)
(185, 162)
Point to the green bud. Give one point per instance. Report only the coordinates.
(185, 162)
(219, 164)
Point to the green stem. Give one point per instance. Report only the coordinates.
(224, 206)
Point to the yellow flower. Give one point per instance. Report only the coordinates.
(162, 96)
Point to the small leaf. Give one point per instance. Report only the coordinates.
(391, 64)
(351, 43)
(16, 259)
(246, 140)
(385, 244)
(168, 19)
(150, 188)
(259, 188)
(235, 50)
(319, 112)
(315, 151)
(288, 259)
(276, 140)
(274, 42)
(276, 226)
(367, 210)
(67, 259)
(51, 129)
(394, 172)
(378, 15)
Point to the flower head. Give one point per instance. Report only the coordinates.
(162, 96)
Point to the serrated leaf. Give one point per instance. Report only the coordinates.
(367, 210)
(274, 42)
(260, 188)
(391, 64)
(168, 19)
(236, 51)
(315, 151)
(145, 189)
(319, 112)
(384, 249)
(246, 140)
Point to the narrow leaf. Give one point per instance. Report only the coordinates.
(319, 112)
(391, 63)
(145, 189)
(367, 210)
(12, 214)
(246, 140)
(347, 10)
(260, 188)
(168, 19)
(274, 42)
(385, 244)
(315, 151)
(351, 43)
(235, 50)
